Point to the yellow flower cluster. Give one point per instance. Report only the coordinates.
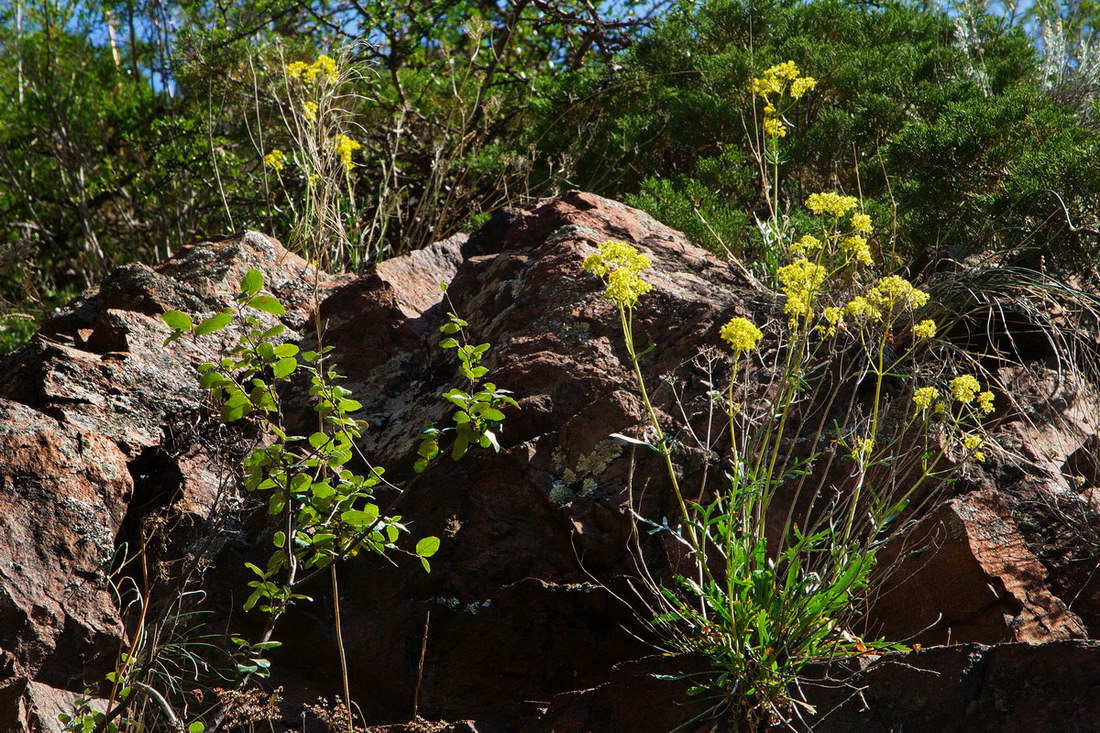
(618, 264)
(275, 160)
(856, 248)
(972, 443)
(834, 317)
(345, 148)
(965, 388)
(309, 111)
(861, 223)
(808, 244)
(924, 397)
(889, 293)
(776, 79)
(800, 281)
(779, 80)
(626, 287)
(741, 334)
(616, 255)
(862, 448)
(832, 203)
(775, 126)
(852, 244)
(858, 307)
(985, 402)
(892, 291)
(926, 329)
(801, 85)
(324, 69)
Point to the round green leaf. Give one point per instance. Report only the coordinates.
(427, 546)
(214, 323)
(252, 282)
(177, 320)
(268, 304)
(284, 367)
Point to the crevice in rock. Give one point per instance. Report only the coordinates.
(158, 484)
(1082, 467)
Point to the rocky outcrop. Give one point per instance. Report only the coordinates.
(528, 620)
(976, 688)
(518, 606)
(63, 494)
(100, 427)
(32, 707)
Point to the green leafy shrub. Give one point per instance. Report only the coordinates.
(322, 509)
(129, 132)
(947, 143)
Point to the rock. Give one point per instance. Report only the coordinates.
(964, 574)
(532, 535)
(382, 314)
(1052, 487)
(1055, 423)
(32, 707)
(529, 619)
(518, 614)
(63, 494)
(1008, 688)
(100, 427)
(639, 697)
(100, 365)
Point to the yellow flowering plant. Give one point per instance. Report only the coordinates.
(322, 71)
(345, 148)
(769, 592)
(275, 160)
(782, 553)
(314, 172)
(741, 335)
(779, 85)
(619, 266)
(778, 89)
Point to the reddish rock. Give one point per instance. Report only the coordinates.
(32, 707)
(964, 574)
(528, 597)
(648, 695)
(1055, 422)
(518, 613)
(1007, 688)
(100, 426)
(381, 315)
(1052, 477)
(100, 365)
(63, 494)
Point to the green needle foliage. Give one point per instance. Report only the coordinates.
(129, 131)
(948, 130)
